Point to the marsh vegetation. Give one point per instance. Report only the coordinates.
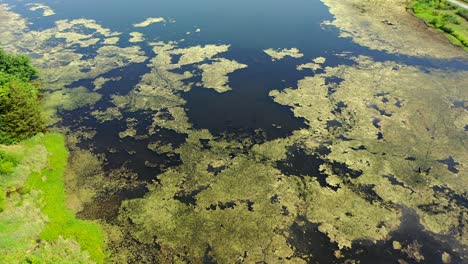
(445, 16)
(342, 140)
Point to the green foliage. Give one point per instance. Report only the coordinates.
(16, 66)
(20, 110)
(446, 29)
(444, 16)
(462, 13)
(448, 18)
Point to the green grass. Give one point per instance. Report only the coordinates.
(7, 163)
(62, 221)
(444, 16)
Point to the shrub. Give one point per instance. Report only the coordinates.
(20, 111)
(18, 66)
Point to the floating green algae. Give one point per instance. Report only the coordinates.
(278, 54)
(150, 21)
(214, 75)
(46, 10)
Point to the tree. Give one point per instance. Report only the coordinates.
(20, 110)
(18, 66)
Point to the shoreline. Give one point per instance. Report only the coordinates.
(385, 24)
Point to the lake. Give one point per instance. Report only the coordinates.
(250, 131)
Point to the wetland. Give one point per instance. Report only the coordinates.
(299, 131)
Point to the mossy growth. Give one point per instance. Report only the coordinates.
(36, 192)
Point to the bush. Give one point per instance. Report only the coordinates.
(20, 111)
(18, 66)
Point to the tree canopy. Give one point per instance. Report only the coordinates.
(16, 66)
(20, 110)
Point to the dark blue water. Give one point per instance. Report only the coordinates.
(246, 25)
(256, 24)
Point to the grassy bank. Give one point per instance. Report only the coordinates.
(444, 16)
(35, 224)
(62, 221)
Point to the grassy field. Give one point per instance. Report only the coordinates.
(444, 16)
(35, 224)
